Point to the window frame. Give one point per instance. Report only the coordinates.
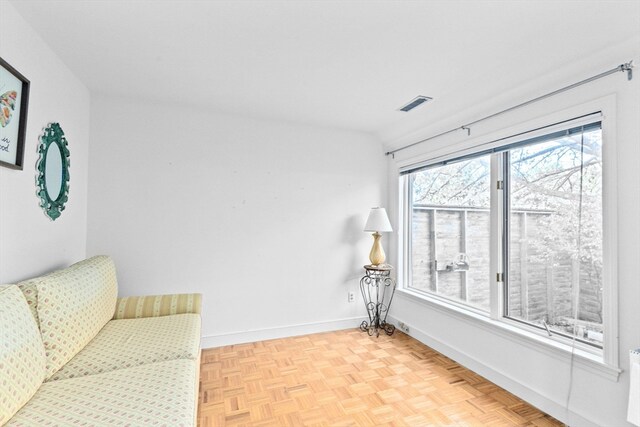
(608, 355)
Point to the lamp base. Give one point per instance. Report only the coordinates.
(377, 256)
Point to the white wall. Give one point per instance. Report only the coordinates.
(263, 218)
(537, 375)
(30, 243)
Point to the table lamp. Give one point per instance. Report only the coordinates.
(377, 222)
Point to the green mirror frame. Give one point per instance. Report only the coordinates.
(53, 134)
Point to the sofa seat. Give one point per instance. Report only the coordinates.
(132, 342)
(160, 393)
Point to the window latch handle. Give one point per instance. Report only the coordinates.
(544, 322)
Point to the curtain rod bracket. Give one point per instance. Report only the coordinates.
(628, 67)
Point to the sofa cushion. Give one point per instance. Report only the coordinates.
(148, 395)
(132, 342)
(157, 305)
(72, 305)
(22, 357)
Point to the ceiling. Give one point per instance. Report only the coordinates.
(343, 64)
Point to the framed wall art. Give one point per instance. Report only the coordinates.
(14, 102)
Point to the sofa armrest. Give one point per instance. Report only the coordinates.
(157, 305)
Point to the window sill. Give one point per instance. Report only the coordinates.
(561, 351)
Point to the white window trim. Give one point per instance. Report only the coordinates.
(610, 232)
(496, 289)
(606, 362)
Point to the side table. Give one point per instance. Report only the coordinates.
(377, 287)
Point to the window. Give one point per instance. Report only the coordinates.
(450, 231)
(533, 208)
(555, 235)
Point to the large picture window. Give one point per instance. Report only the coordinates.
(555, 235)
(543, 194)
(450, 231)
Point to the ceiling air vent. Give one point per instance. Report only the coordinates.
(419, 100)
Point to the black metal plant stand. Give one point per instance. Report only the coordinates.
(377, 289)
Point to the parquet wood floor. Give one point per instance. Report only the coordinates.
(346, 378)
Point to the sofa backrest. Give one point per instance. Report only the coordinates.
(22, 355)
(71, 306)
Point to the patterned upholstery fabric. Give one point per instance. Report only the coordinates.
(159, 394)
(132, 342)
(30, 291)
(72, 306)
(22, 358)
(157, 305)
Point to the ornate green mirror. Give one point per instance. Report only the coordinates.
(53, 171)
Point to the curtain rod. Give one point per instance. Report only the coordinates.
(628, 67)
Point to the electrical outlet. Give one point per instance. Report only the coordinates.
(403, 327)
(352, 296)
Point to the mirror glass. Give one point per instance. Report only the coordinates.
(53, 171)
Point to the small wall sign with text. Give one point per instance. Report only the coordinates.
(14, 102)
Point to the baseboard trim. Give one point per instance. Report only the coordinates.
(552, 408)
(240, 337)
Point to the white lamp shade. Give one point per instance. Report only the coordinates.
(378, 221)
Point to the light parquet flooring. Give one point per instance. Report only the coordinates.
(346, 378)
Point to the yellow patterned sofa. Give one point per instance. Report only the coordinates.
(73, 354)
